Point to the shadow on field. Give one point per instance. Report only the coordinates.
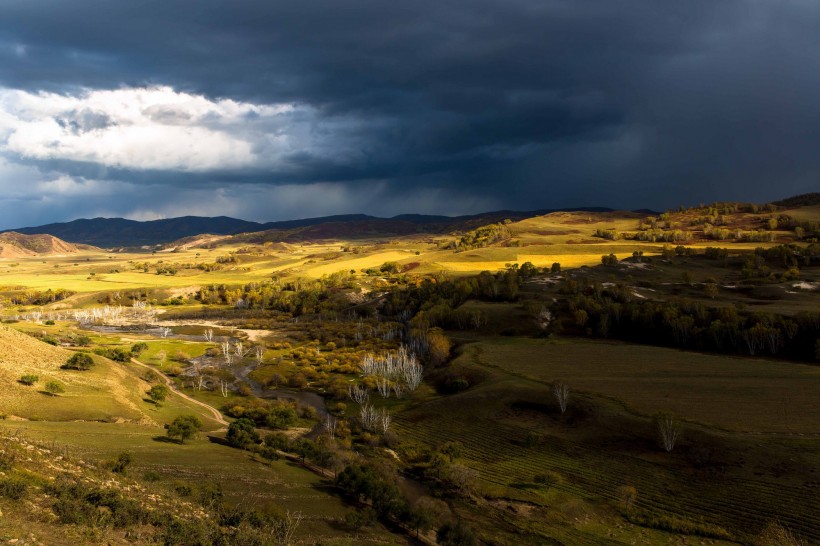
(218, 440)
(165, 440)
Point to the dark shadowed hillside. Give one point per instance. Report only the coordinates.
(119, 232)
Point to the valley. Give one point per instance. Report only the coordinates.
(398, 388)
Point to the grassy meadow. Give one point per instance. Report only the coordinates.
(717, 482)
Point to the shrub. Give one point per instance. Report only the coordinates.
(120, 464)
(151, 476)
(548, 479)
(116, 354)
(138, 348)
(158, 393)
(79, 361)
(13, 488)
(29, 379)
(456, 534)
(54, 388)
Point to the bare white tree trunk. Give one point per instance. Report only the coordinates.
(285, 528)
(668, 431)
(260, 354)
(358, 394)
(561, 392)
(383, 386)
(384, 421)
(330, 426)
(209, 335)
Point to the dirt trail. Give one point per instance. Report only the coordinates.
(217, 416)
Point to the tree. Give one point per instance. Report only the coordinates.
(242, 433)
(79, 361)
(158, 393)
(556, 268)
(138, 348)
(668, 431)
(183, 427)
(560, 391)
(609, 260)
(54, 388)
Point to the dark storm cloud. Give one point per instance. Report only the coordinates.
(520, 104)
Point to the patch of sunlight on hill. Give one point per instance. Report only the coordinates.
(107, 392)
(373, 260)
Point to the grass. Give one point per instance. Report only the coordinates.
(741, 394)
(244, 481)
(715, 482)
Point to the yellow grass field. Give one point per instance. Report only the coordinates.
(357, 264)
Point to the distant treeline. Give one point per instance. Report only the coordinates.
(615, 312)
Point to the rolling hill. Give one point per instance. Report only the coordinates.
(19, 245)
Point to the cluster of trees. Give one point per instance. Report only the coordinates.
(614, 312)
(375, 487)
(276, 414)
(297, 297)
(480, 237)
(500, 286)
(37, 297)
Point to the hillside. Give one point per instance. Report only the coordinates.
(18, 245)
(105, 393)
(119, 232)
(804, 200)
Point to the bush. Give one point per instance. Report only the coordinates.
(456, 534)
(138, 348)
(29, 379)
(151, 476)
(13, 488)
(116, 354)
(120, 464)
(79, 361)
(54, 388)
(158, 393)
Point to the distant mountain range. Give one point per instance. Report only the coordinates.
(119, 232)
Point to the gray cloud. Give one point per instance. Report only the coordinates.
(519, 104)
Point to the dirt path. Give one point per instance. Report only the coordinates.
(217, 416)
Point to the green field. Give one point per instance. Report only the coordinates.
(244, 481)
(714, 479)
(733, 393)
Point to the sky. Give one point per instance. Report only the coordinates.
(271, 110)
